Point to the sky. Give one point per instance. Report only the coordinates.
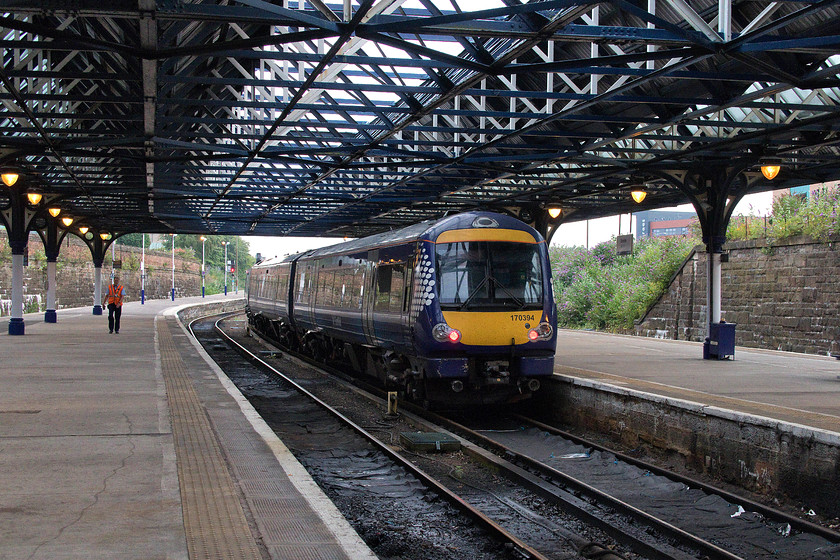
(573, 234)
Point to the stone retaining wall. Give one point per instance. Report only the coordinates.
(782, 297)
(74, 276)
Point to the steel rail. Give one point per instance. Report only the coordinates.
(796, 523)
(519, 547)
(679, 535)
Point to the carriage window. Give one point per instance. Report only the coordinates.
(397, 288)
(488, 274)
(383, 288)
(325, 280)
(303, 286)
(390, 287)
(356, 288)
(283, 285)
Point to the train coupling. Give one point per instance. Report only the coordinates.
(495, 372)
(532, 385)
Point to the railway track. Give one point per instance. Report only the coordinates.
(333, 443)
(504, 444)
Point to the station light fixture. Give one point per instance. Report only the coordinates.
(54, 212)
(770, 169)
(554, 212)
(104, 235)
(83, 229)
(9, 176)
(638, 194)
(67, 221)
(34, 197)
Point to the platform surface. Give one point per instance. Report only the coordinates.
(134, 446)
(797, 388)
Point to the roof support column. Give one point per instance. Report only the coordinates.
(17, 215)
(18, 236)
(714, 192)
(97, 250)
(52, 245)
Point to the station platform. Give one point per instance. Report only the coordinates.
(135, 445)
(800, 389)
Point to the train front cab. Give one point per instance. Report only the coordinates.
(490, 318)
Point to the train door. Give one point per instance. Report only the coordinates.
(408, 295)
(305, 299)
(368, 294)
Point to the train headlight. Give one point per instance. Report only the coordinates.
(542, 332)
(444, 333)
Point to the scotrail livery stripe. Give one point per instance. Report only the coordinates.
(485, 234)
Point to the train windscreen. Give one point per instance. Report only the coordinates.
(488, 274)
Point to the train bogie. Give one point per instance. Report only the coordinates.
(457, 311)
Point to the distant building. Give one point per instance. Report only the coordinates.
(663, 223)
(156, 240)
(808, 191)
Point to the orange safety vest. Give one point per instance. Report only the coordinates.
(115, 294)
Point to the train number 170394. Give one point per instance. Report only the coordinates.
(522, 317)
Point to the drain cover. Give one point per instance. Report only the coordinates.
(429, 441)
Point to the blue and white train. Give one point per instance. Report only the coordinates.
(455, 311)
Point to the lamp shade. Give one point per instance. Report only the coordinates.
(555, 211)
(770, 170)
(9, 177)
(638, 195)
(83, 229)
(34, 198)
(54, 212)
(67, 221)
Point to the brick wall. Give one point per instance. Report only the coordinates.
(74, 275)
(782, 297)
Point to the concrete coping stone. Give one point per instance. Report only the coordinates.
(799, 431)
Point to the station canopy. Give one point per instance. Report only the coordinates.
(312, 118)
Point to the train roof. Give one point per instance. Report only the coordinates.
(428, 228)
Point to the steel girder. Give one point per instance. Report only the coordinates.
(310, 118)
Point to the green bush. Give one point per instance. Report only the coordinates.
(792, 215)
(599, 289)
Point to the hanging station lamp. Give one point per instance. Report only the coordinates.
(770, 168)
(9, 176)
(638, 194)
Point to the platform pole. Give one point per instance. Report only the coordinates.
(16, 326)
(97, 289)
(50, 315)
(714, 288)
(52, 245)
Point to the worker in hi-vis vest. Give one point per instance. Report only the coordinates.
(114, 298)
